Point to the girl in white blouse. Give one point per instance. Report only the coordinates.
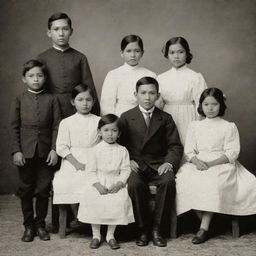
(118, 89)
(212, 180)
(180, 87)
(105, 200)
(76, 135)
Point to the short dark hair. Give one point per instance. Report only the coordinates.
(178, 40)
(109, 119)
(147, 80)
(31, 64)
(218, 95)
(59, 16)
(82, 88)
(131, 39)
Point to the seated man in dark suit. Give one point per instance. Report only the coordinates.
(152, 140)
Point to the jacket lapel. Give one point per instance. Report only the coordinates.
(155, 123)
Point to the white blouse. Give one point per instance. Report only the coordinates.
(118, 89)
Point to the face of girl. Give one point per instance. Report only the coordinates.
(83, 103)
(132, 54)
(211, 107)
(109, 132)
(177, 55)
(34, 79)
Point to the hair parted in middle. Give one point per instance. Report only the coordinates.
(131, 39)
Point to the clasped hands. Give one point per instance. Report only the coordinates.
(113, 189)
(164, 168)
(200, 165)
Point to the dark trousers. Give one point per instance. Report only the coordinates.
(139, 192)
(35, 181)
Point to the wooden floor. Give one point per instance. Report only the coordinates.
(77, 243)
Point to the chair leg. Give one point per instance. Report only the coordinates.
(235, 227)
(173, 229)
(62, 220)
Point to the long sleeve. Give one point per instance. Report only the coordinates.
(174, 146)
(91, 167)
(108, 95)
(125, 169)
(56, 121)
(232, 143)
(63, 143)
(190, 149)
(14, 126)
(198, 87)
(88, 80)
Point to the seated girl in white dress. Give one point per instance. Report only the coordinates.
(212, 180)
(105, 200)
(180, 86)
(118, 89)
(76, 135)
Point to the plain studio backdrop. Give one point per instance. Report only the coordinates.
(221, 35)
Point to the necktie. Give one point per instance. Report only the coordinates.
(147, 118)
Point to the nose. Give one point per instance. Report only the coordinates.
(36, 78)
(61, 33)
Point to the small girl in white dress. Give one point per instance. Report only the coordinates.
(118, 89)
(76, 135)
(212, 180)
(105, 199)
(180, 87)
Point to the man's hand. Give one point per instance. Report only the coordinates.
(52, 158)
(134, 166)
(164, 168)
(19, 159)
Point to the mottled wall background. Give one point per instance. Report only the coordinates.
(221, 35)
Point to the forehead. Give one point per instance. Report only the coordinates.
(85, 94)
(34, 70)
(210, 99)
(110, 126)
(147, 87)
(60, 23)
(132, 45)
(176, 47)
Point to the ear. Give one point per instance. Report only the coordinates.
(142, 52)
(71, 31)
(72, 102)
(135, 94)
(122, 54)
(99, 132)
(158, 95)
(23, 79)
(49, 33)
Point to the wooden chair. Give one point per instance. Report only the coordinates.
(173, 217)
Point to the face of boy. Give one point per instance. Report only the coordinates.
(147, 96)
(60, 33)
(34, 79)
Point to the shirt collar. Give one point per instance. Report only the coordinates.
(59, 49)
(128, 67)
(34, 92)
(146, 111)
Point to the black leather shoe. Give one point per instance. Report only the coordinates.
(200, 237)
(113, 244)
(157, 239)
(95, 243)
(43, 234)
(142, 240)
(28, 235)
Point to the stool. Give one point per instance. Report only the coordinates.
(173, 217)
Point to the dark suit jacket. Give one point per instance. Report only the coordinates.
(154, 146)
(33, 123)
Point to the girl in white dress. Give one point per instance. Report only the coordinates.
(118, 89)
(180, 87)
(105, 199)
(76, 135)
(212, 180)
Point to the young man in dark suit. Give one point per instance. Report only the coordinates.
(153, 142)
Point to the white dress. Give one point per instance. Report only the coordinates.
(109, 163)
(225, 188)
(180, 90)
(118, 89)
(76, 135)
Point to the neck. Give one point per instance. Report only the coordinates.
(61, 48)
(35, 92)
